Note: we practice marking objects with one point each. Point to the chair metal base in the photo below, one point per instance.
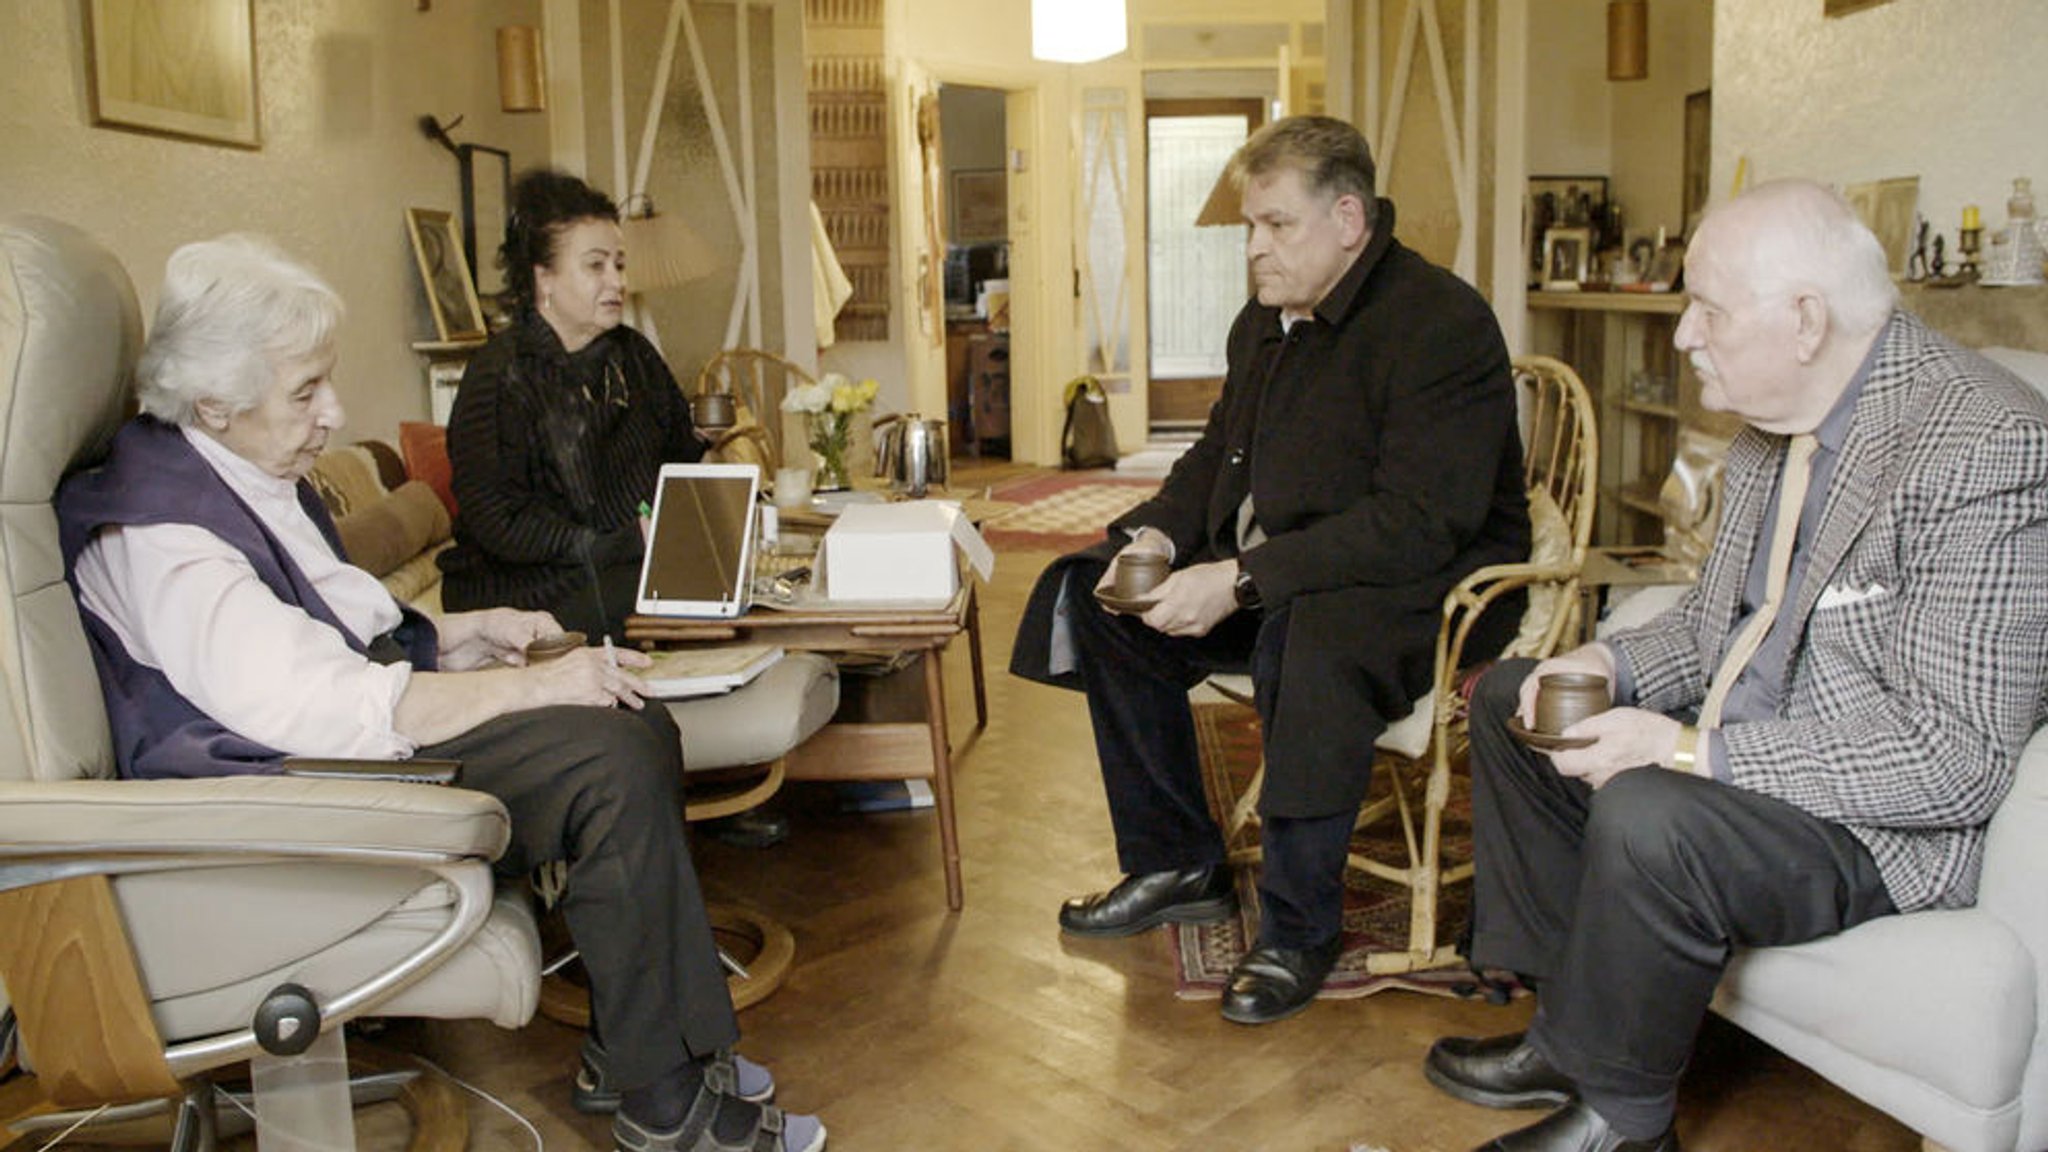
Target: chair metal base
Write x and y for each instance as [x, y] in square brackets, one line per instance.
[208, 1113]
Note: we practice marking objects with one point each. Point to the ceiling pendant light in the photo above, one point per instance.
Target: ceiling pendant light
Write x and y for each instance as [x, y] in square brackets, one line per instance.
[1628, 39]
[1077, 31]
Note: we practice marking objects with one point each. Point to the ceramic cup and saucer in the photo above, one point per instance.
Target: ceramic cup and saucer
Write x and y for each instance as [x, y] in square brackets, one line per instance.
[1562, 700]
[1130, 590]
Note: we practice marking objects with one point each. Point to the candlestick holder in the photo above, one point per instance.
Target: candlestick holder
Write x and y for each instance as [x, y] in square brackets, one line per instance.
[1969, 242]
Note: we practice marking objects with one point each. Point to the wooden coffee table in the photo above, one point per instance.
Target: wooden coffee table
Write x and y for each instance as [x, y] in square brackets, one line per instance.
[863, 751]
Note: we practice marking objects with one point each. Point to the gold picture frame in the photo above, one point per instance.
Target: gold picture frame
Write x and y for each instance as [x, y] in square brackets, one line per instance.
[444, 273]
[184, 68]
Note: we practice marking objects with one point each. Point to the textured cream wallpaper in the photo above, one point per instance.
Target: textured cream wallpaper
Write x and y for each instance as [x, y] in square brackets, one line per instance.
[342, 87]
[1951, 91]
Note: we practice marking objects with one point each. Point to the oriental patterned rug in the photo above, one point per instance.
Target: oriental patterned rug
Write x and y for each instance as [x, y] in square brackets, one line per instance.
[1065, 511]
[1375, 911]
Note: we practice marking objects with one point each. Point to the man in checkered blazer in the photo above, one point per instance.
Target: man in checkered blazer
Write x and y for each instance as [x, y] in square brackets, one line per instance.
[1846, 769]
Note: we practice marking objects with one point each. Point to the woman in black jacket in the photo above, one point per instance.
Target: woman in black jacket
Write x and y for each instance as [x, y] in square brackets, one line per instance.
[562, 423]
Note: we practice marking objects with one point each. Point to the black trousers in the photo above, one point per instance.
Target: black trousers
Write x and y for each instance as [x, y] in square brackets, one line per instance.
[1625, 902]
[601, 788]
[1137, 681]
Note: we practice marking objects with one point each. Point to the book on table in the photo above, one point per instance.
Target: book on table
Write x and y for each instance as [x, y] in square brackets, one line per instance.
[681, 672]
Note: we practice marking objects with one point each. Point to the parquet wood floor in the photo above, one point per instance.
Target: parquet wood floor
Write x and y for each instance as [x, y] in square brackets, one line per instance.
[986, 1031]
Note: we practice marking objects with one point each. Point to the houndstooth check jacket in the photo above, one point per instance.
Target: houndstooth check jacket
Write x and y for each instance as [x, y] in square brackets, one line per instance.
[1921, 661]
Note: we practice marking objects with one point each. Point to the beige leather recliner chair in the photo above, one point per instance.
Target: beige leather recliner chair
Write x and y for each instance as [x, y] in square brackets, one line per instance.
[143, 923]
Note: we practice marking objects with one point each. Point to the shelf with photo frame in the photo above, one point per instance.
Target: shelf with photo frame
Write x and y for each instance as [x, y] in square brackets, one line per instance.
[446, 361]
[1644, 393]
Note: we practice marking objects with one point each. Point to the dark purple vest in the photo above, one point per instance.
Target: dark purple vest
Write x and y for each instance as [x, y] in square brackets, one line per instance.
[152, 476]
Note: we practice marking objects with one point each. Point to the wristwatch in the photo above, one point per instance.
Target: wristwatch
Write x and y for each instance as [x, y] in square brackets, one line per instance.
[1246, 591]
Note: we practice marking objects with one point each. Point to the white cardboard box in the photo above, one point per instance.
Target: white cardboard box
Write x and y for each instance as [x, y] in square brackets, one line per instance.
[884, 553]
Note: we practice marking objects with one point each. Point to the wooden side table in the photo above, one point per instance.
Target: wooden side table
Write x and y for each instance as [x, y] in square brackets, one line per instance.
[868, 751]
[1606, 568]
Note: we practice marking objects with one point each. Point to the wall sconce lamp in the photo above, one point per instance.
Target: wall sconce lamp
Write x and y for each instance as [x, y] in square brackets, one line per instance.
[1628, 39]
[1225, 202]
[522, 72]
[1078, 31]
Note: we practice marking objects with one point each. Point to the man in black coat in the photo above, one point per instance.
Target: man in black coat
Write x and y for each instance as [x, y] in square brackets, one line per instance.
[1362, 459]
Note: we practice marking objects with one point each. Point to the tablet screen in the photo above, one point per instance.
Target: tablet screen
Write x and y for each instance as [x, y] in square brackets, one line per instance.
[699, 555]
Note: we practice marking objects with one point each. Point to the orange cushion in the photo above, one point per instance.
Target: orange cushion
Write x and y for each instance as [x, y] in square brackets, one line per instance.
[425, 448]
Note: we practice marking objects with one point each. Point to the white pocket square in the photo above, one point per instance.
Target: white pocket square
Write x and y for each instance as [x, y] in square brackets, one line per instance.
[1839, 595]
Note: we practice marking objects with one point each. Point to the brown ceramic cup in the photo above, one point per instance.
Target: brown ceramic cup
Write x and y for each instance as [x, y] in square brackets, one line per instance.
[1138, 573]
[548, 647]
[713, 411]
[1565, 698]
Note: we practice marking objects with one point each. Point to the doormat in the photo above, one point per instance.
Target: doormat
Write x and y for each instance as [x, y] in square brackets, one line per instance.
[1375, 910]
[1065, 511]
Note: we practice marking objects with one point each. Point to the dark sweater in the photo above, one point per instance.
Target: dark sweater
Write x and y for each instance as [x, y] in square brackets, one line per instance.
[553, 454]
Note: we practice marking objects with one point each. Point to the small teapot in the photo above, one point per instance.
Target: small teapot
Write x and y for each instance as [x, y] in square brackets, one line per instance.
[910, 452]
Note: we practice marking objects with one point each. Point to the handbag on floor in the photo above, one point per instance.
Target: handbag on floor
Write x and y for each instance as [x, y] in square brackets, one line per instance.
[1089, 438]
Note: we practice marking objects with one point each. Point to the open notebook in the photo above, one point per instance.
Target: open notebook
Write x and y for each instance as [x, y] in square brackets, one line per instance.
[684, 672]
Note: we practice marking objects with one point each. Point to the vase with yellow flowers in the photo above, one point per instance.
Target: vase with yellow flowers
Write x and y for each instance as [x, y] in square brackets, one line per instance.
[828, 409]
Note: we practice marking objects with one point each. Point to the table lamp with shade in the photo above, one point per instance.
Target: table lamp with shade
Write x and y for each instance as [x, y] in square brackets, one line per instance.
[662, 251]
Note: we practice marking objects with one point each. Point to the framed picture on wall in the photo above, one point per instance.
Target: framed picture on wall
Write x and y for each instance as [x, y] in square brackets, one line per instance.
[981, 209]
[186, 69]
[1560, 202]
[1699, 154]
[451, 294]
[1566, 252]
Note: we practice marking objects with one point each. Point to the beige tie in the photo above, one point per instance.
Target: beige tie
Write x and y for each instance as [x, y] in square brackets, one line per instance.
[1791, 499]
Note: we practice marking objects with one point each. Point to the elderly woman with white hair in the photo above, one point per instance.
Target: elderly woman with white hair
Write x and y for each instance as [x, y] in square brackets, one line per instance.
[231, 633]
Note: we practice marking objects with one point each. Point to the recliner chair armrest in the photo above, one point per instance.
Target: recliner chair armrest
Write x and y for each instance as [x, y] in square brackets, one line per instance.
[253, 815]
[2016, 857]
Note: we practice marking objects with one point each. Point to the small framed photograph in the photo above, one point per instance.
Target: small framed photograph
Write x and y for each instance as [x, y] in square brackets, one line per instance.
[1561, 202]
[451, 294]
[981, 210]
[1667, 269]
[1565, 255]
[1639, 253]
[185, 69]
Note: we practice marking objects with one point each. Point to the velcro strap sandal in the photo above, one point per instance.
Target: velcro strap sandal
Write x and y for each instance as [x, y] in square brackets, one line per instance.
[774, 1131]
[727, 1072]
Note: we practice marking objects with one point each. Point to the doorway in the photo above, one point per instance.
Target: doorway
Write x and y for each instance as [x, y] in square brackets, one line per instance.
[974, 190]
[1196, 274]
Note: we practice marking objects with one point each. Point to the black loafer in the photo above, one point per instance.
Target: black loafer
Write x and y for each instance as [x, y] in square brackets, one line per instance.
[1274, 983]
[1183, 896]
[1576, 1128]
[1498, 1072]
[754, 828]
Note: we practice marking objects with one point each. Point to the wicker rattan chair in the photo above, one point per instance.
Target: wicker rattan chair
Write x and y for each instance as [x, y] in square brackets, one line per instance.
[757, 380]
[1418, 752]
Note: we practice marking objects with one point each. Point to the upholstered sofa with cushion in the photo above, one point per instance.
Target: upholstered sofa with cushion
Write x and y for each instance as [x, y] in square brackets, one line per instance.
[391, 524]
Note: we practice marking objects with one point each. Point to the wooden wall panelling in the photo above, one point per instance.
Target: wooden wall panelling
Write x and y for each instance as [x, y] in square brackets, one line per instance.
[849, 111]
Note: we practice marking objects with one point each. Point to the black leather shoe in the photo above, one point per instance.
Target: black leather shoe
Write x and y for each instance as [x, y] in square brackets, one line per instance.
[754, 828]
[1576, 1128]
[1184, 896]
[1498, 1072]
[1274, 983]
